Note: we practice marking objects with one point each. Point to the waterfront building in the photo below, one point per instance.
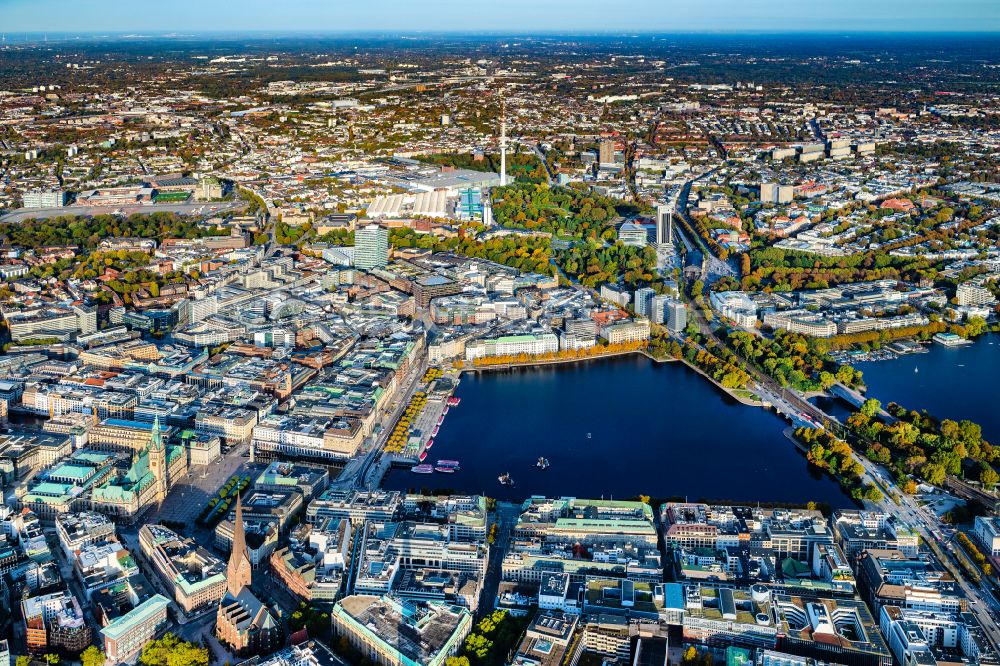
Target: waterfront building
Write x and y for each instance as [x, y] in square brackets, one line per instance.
[194, 576]
[969, 293]
[371, 247]
[244, 623]
[578, 333]
[626, 332]
[531, 344]
[801, 321]
[125, 636]
[570, 520]
[790, 533]
[390, 633]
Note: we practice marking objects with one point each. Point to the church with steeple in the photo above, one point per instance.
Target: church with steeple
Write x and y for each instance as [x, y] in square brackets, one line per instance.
[244, 623]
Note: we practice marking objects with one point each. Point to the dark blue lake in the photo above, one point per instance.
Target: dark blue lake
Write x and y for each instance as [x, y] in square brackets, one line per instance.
[616, 427]
[949, 382]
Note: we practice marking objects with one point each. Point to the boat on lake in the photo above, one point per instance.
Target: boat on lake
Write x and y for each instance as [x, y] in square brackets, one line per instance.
[543, 463]
[445, 469]
[505, 480]
[423, 469]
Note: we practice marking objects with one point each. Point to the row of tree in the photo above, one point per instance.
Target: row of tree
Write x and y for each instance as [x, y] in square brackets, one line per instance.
[87, 232]
[795, 360]
[834, 455]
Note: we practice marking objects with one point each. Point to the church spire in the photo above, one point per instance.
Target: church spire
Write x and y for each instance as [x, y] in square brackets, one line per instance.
[239, 570]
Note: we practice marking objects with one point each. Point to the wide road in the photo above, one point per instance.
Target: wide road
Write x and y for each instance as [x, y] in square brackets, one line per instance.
[982, 603]
[202, 208]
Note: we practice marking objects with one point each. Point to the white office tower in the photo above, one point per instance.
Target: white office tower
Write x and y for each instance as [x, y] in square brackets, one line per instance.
[664, 225]
[371, 247]
[503, 142]
[676, 316]
[658, 308]
[642, 301]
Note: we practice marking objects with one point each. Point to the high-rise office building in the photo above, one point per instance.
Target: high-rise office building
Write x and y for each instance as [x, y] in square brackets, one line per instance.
[607, 152]
[643, 299]
[664, 225]
[676, 316]
[658, 308]
[371, 247]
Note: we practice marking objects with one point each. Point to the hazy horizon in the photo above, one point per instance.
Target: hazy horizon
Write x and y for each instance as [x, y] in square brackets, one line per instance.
[79, 17]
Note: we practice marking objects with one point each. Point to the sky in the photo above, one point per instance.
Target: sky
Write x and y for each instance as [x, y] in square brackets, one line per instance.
[497, 16]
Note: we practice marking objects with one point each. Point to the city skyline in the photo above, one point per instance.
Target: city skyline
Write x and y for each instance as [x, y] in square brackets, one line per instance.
[481, 334]
[518, 16]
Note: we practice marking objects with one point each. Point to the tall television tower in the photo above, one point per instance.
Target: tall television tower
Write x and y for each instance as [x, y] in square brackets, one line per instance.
[503, 140]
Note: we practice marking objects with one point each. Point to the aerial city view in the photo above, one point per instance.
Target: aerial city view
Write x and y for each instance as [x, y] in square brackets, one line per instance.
[440, 333]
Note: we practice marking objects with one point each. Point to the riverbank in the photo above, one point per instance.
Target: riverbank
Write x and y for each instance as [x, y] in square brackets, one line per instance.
[740, 395]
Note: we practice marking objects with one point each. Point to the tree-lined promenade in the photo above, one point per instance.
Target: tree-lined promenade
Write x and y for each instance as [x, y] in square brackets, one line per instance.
[548, 358]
